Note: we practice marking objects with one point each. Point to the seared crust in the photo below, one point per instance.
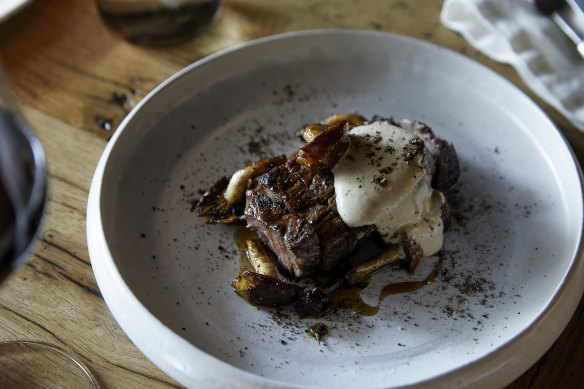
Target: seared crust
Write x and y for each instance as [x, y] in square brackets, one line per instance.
[294, 208]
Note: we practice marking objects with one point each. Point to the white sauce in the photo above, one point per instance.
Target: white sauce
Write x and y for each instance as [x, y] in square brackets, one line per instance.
[383, 179]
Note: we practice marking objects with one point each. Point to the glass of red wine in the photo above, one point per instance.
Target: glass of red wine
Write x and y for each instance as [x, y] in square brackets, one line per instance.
[22, 184]
[23, 187]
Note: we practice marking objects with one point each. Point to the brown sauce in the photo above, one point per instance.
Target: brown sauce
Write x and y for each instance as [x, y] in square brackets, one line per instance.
[350, 297]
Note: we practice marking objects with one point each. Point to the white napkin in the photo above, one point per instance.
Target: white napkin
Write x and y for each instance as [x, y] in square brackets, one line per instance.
[512, 31]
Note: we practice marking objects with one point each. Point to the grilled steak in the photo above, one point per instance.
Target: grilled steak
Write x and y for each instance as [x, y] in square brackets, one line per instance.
[294, 208]
[291, 203]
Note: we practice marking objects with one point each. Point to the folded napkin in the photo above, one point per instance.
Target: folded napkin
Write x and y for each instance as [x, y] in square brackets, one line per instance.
[512, 31]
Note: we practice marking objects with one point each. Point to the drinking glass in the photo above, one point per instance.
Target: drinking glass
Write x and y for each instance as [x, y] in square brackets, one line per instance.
[23, 181]
[157, 22]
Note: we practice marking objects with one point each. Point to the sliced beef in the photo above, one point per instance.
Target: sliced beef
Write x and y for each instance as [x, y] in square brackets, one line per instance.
[294, 208]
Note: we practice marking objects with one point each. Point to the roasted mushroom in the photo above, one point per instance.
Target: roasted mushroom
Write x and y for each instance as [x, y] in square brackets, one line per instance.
[325, 149]
[223, 202]
[389, 256]
[352, 118]
[311, 131]
[259, 289]
[313, 303]
[261, 259]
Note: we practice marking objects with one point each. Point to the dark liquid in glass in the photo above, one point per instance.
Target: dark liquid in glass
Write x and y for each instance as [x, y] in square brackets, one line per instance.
[7, 255]
[17, 174]
[161, 26]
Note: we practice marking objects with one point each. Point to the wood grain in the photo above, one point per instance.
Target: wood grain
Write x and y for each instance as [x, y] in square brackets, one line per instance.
[76, 82]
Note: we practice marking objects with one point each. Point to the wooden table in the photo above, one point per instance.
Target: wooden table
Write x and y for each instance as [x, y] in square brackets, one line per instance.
[73, 78]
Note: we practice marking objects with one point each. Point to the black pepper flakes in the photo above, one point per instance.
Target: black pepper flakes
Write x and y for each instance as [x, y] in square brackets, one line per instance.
[379, 180]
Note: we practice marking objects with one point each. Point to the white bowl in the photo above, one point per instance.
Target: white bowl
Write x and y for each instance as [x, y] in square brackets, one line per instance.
[508, 287]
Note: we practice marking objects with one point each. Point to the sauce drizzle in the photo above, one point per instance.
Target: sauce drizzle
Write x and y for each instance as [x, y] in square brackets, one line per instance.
[350, 297]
